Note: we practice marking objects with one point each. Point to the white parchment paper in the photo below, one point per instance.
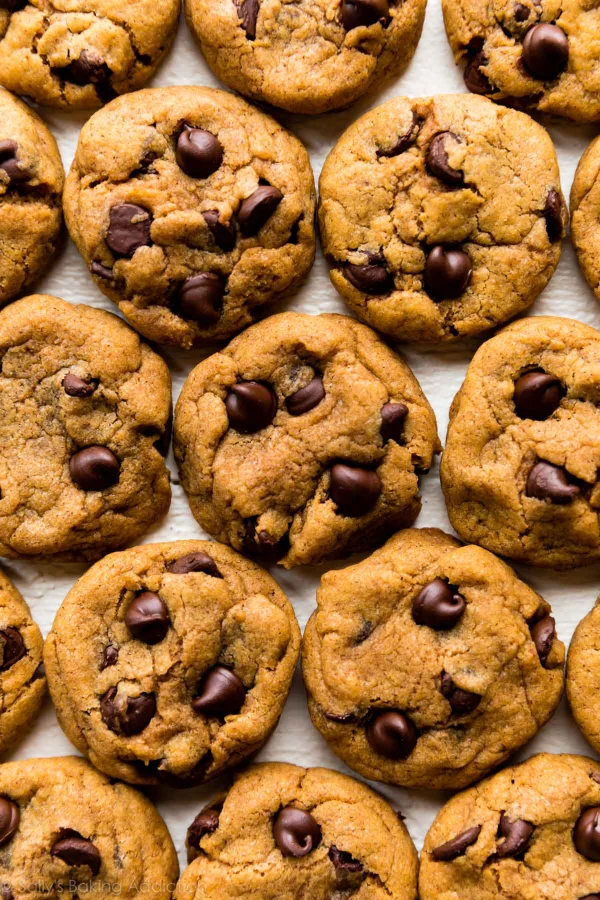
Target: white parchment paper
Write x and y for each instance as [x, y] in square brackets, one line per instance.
[440, 372]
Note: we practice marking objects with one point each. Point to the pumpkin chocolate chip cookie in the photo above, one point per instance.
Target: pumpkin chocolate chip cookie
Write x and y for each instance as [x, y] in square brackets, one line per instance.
[585, 215]
[583, 676]
[520, 467]
[303, 440]
[169, 663]
[310, 56]
[84, 427]
[429, 663]
[441, 217]
[530, 831]
[192, 209]
[283, 832]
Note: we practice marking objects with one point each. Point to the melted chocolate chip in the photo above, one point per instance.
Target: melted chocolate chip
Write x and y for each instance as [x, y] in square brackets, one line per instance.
[448, 273]
[261, 544]
[221, 693]
[75, 386]
[362, 13]
[437, 160]
[101, 271]
[521, 12]
[223, 235]
[548, 482]
[194, 562]
[354, 490]
[127, 715]
[205, 822]
[129, 229]
[438, 605]
[90, 68]
[147, 618]
[12, 647]
[110, 657]
[247, 11]
[343, 860]
[517, 834]
[94, 468]
[9, 163]
[586, 834]
[553, 216]
[461, 702]
[198, 153]
[537, 395]
[251, 406]
[201, 298]
[457, 846]
[296, 832]
[392, 734]
[371, 278]
[475, 80]
[256, 210]
[76, 851]
[543, 633]
[393, 417]
[10, 816]
[306, 398]
[545, 51]
[403, 143]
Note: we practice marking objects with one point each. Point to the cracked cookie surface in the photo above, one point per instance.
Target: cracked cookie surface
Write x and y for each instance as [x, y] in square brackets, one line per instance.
[520, 467]
[528, 832]
[84, 415]
[31, 184]
[170, 663]
[309, 56]
[303, 439]
[192, 209]
[441, 217]
[583, 676]
[533, 54]
[66, 830]
[585, 215]
[78, 54]
[284, 833]
[429, 663]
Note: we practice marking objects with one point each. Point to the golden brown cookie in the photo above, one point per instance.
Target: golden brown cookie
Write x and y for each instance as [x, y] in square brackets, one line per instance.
[583, 676]
[585, 215]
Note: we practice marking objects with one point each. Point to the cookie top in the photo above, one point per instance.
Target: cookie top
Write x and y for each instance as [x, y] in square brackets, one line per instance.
[530, 831]
[22, 679]
[84, 426]
[585, 215]
[284, 832]
[67, 830]
[303, 439]
[429, 663]
[171, 662]
[441, 217]
[79, 54]
[533, 54]
[31, 184]
[310, 56]
[192, 209]
[583, 675]
[520, 466]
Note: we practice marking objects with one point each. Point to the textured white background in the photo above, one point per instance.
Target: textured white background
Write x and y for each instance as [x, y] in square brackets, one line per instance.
[440, 372]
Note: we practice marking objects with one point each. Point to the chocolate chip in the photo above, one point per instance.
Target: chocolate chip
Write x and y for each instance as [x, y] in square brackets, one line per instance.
[94, 468]
[147, 618]
[475, 80]
[548, 482]
[251, 406]
[109, 657]
[256, 210]
[183, 780]
[5, 891]
[461, 702]
[198, 153]
[521, 13]
[392, 734]
[10, 164]
[537, 395]
[76, 850]
[586, 834]
[306, 398]
[13, 5]
[370, 279]
[224, 235]
[90, 68]
[349, 872]
[340, 718]
[296, 832]
[354, 490]
[393, 417]
[262, 544]
[590, 897]
[12, 647]
[553, 216]
[220, 694]
[205, 822]
[543, 633]
[129, 229]
[448, 273]
[517, 834]
[101, 271]
[10, 817]
[343, 860]
[147, 161]
[359, 13]
[247, 11]
[545, 51]
[403, 143]
[438, 605]
[40, 672]
[75, 386]
[194, 562]
[437, 160]
[457, 846]
[127, 715]
[201, 298]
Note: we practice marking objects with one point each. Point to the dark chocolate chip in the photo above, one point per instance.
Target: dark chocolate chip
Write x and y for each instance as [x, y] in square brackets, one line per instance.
[448, 273]
[438, 605]
[251, 406]
[94, 468]
[362, 13]
[340, 718]
[76, 851]
[147, 160]
[392, 734]
[437, 160]
[75, 386]
[198, 153]
[147, 618]
[223, 235]
[403, 143]
[553, 216]
[296, 832]
[590, 897]
[586, 834]
[537, 395]
[12, 647]
[40, 672]
[521, 12]
[461, 702]
[129, 229]
[205, 823]
[10, 817]
[475, 80]
[9, 162]
[101, 271]
[256, 210]
[5, 891]
[343, 860]
[261, 544]
[220, 694]
[349, 872]
[306, 398]
[543, 633]
[517, 834]
[548, 482]
[247, 11]
[127, 715]
[201, 298]
[545, 51]
[393, 417]
[194, 562]
[371, 279]
[457, 846]
[109, 657]
[90, 68]
[354, 490]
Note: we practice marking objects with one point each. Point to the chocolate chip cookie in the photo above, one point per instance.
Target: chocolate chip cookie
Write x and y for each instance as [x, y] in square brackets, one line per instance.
[583, 675]
[585, 215]
[303, 440]
[84, 427]
[520, 468]
[533, 54]
[530, 831]
[429, 663]
[22, 678]
[31, 183]
[307, 56]
[169, 663]
[441, 217]
[81, 53]
[67, 831]
[192, 209]
[283, 832]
